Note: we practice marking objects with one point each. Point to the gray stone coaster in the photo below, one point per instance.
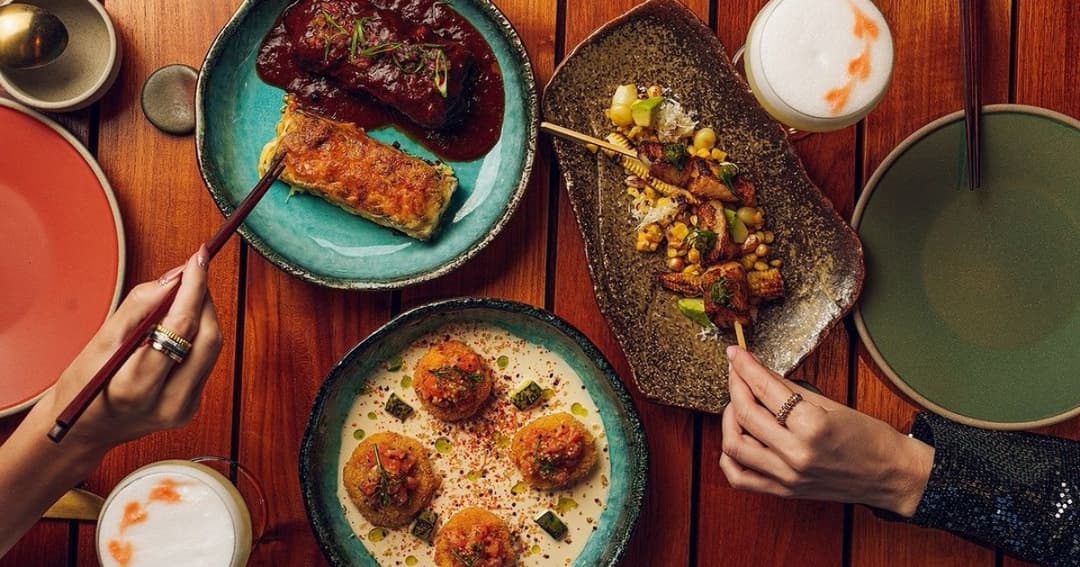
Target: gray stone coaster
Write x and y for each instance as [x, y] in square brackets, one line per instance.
[168, 99]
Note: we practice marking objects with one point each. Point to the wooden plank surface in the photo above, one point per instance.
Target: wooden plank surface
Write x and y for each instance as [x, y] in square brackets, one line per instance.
[663, 534]
[167, 213]
[287, 334]
[927, 83]
[743, 528]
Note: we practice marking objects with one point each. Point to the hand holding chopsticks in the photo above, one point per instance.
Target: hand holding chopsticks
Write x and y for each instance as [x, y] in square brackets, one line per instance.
[152, 313]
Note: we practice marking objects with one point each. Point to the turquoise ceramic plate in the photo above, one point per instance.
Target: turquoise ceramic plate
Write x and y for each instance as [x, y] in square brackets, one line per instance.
[310, 238]
[627, 446]
[970, 305]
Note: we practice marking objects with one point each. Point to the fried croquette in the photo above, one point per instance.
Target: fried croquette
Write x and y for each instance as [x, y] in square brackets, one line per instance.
[452, 381]
[390, 479]
[554, 451]
[474, 537]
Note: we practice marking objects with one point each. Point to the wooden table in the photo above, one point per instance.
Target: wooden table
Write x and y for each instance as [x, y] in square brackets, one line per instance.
[286, 334]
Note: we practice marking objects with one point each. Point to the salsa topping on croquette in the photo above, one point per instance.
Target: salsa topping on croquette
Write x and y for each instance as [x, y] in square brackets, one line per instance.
[391, 477]
[556, 452]
[454, 385]
[479, 545]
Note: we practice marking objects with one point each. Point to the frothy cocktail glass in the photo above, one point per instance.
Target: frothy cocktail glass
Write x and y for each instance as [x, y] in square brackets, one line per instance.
[174, 513]
[819, 65]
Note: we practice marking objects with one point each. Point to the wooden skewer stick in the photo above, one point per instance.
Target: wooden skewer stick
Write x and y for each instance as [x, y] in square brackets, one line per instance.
[556, 130]
[739, 335]
[573, 135]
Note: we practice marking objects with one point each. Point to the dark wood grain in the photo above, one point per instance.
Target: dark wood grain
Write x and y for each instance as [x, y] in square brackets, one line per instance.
[166, 216]
[927, 83]
[663, 533]
[290, 333]
[294, 332]
[1047, 72]
[741, 528]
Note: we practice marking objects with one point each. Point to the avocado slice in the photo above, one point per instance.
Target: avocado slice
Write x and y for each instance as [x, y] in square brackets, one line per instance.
[644, 110]
[694, 309]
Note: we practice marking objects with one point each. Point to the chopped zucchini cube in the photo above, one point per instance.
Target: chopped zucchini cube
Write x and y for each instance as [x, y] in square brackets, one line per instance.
[552, 525]
[526, 394]
[397, 407]
[424, 526]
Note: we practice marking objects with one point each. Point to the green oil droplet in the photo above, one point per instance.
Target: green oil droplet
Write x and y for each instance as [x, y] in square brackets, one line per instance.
[442, 445]
[395, 364]
[411, 560]
[406, 381]
[358, 434]
[534, 549]
[503, 361]
[502, 441]
[372, 415]
[579, 410]
[565, 505]
[519, 488]
[547, 394]
[473, 475]
[376, 534]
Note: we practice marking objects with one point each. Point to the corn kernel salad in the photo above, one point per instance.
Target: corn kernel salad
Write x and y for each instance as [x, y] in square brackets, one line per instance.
[693, 204]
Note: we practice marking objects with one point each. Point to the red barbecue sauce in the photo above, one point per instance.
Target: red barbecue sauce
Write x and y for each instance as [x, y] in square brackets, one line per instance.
[473, 132]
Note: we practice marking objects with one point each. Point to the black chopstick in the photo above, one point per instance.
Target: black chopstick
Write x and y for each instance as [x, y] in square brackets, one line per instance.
[85, 397]
[969, 45]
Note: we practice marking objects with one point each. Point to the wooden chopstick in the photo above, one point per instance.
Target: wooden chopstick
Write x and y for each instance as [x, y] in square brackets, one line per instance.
[556, 130]
[85, 397]
[969, 34]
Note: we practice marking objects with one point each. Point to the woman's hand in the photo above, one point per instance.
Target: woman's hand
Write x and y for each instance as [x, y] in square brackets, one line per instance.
[826, 451]
[150, 392]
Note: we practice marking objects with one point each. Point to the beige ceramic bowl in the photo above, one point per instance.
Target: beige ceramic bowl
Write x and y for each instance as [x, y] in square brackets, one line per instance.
[83, 73]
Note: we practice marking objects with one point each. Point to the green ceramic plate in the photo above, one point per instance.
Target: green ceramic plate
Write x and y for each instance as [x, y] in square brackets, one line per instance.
[627, 446]
[237, 113]
[970, 304]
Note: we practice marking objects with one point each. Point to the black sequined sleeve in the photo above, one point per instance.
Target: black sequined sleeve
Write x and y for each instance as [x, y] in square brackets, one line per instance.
[1017, 491]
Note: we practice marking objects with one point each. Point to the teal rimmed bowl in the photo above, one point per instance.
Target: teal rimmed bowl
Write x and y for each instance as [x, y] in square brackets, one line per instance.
[627, 445]
[237, 113]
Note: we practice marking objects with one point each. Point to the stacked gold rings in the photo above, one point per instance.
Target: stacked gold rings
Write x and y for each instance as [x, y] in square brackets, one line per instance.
[169, 343]
[782, 415]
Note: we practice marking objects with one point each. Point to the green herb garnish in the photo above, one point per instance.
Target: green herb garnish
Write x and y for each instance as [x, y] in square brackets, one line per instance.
[330, 19]
[728, 171]
[719, 293]
[676, 154]
[441, 73]
[546, 465]
[385, 479]
[394, 364]
[466, 561]
[448, 372]
[702, 239]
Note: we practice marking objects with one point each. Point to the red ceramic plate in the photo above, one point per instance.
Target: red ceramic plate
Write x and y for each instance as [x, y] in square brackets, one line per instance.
[61, 253]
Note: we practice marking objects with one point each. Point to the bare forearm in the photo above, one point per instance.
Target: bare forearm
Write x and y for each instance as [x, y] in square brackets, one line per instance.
[34, 472]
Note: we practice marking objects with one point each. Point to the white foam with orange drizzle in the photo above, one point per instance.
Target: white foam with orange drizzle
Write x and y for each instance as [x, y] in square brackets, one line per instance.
[173, 513]
[819, 64]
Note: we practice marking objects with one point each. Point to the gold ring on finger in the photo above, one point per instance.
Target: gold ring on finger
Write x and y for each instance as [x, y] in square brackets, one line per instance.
[186, 344]
[785, 410]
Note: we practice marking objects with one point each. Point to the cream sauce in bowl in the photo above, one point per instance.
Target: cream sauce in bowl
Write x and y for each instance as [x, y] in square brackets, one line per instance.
[472, 457]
